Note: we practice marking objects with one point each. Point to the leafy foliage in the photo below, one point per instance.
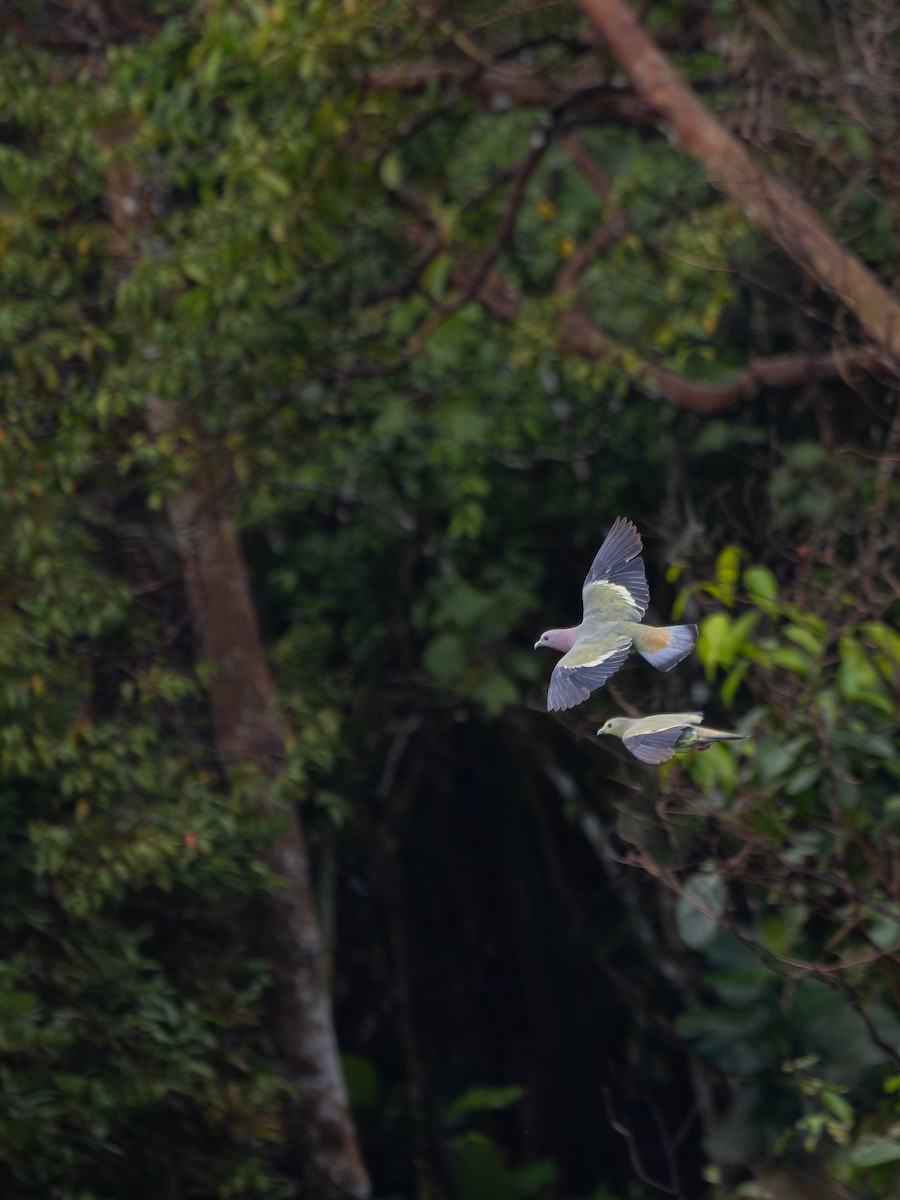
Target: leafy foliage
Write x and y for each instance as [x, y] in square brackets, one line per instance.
[368, 336]
[796, 916]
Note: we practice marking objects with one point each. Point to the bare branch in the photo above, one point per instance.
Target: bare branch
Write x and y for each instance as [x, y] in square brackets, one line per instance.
[598, 243]
[617, 224]
[775, 206]
[499, 88]
[581, 337]
[582, 160]
[479, 275]
[633, 1153]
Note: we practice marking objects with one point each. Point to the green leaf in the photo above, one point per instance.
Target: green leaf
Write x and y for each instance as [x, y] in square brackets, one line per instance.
[362, 1082]
[485, 1099]
[775, 758]
[804, 778]
[874, 1153]
[837, 1106]
[391, 172]
[533, 1177]
[728, 565]
[805, 456]
[480, 1172]
[446, 658]
[804, 638]
[494, 692]
[273, 182]
[760, 583]
[723, 638]
[436, 276]
[789, 658]
[713, 644]
[715, 770]
[698, 911]
[732, 683]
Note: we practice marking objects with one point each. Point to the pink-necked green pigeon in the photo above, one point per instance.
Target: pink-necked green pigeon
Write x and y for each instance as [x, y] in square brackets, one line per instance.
[655, 739]
[615, 597]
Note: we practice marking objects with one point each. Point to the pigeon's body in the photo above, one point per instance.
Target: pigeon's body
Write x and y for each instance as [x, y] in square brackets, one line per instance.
[655, 739]
[615, 597]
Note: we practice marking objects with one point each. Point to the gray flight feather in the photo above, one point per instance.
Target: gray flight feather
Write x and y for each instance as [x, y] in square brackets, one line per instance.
[614, 599]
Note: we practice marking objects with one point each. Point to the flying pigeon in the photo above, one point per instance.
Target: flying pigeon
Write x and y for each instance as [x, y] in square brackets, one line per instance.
[656, 739]
[615, 597]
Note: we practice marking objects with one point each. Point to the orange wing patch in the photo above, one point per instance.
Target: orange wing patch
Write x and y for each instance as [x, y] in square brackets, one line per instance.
[655, 639]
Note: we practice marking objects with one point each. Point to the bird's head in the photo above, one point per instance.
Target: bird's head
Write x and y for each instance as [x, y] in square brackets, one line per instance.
[615, 726]
[556, 639]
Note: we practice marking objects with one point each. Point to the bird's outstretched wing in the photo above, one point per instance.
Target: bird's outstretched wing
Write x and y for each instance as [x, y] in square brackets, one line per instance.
[666, 721]
[654, 747]
[615, 588]
[586, 667]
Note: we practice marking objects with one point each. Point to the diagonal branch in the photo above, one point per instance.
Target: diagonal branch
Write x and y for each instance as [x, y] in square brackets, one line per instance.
[598, 243]
[485, 265]
[499, 88]
[582, 160]
[616, 226]
[776, 208]
[580, 337]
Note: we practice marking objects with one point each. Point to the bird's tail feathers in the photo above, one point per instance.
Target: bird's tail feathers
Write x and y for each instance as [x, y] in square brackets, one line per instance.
[665, 647]
[705, 734]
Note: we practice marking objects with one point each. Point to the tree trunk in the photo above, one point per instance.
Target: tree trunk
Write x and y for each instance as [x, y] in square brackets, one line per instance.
[249, 734]
[777, 208]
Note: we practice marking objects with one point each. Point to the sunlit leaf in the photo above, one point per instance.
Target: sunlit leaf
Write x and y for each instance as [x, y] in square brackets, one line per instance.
[699, 908]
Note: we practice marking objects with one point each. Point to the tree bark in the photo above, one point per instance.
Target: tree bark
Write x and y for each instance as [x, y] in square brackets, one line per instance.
[249, 734]
[775, 207]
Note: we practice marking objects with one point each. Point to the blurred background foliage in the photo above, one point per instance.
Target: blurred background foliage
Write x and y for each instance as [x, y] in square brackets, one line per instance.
[555, 972]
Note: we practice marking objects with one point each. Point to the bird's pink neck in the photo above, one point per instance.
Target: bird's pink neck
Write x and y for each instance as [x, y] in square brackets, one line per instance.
[564, 639]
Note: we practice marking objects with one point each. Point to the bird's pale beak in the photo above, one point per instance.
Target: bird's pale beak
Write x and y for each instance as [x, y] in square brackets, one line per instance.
[537, 644]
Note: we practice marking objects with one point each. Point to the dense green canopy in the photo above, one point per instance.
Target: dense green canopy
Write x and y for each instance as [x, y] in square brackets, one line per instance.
[419, 298]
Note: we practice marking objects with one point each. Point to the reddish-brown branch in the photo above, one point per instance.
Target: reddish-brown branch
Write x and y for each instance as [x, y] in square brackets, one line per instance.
[775, 206]
[499, 89]
[608, 234]
[477, 278]
[492, 85]
[664, 98]
[598, 243]
[76, 28]
[579, 336]
[582, 160]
